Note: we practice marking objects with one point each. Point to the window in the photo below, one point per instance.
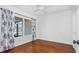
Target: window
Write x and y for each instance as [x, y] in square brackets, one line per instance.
[27, 27]
[23, 27]
[19, 27]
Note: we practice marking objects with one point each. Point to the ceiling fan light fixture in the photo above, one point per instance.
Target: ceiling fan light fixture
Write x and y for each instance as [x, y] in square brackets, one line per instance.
[40, 7]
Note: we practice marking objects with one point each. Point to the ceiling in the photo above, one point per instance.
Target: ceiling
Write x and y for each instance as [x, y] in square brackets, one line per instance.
[42, 9]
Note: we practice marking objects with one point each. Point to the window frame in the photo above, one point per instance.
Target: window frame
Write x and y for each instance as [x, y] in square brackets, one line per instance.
[23, 19]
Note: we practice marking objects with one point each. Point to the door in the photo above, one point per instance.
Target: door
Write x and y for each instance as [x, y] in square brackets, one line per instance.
[75, 28]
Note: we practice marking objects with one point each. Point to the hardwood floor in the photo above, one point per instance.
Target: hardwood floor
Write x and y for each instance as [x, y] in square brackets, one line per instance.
[42, 46]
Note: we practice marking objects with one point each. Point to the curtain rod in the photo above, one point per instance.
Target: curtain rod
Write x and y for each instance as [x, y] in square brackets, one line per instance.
[21, 15]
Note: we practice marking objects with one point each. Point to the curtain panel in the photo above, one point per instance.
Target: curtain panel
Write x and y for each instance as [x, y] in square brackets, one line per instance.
[7, 29]
[33, 29]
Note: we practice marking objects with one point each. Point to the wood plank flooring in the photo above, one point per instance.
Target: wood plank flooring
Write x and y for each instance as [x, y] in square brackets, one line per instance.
[42, 46]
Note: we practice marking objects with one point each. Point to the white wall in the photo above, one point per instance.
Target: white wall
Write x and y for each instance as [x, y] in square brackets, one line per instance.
[23, 39]
[55, 27]
[76, 45]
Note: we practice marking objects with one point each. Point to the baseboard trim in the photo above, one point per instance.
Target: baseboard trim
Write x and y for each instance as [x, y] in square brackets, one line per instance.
[55, 42]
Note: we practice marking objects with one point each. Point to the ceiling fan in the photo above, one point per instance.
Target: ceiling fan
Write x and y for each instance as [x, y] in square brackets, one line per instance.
[40, 9]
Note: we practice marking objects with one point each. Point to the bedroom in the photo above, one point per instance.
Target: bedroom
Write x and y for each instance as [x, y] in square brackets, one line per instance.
[42, 28]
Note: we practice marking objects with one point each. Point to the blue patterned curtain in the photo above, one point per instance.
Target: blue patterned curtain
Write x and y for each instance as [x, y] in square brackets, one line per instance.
[7, 30]
[33, 29]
